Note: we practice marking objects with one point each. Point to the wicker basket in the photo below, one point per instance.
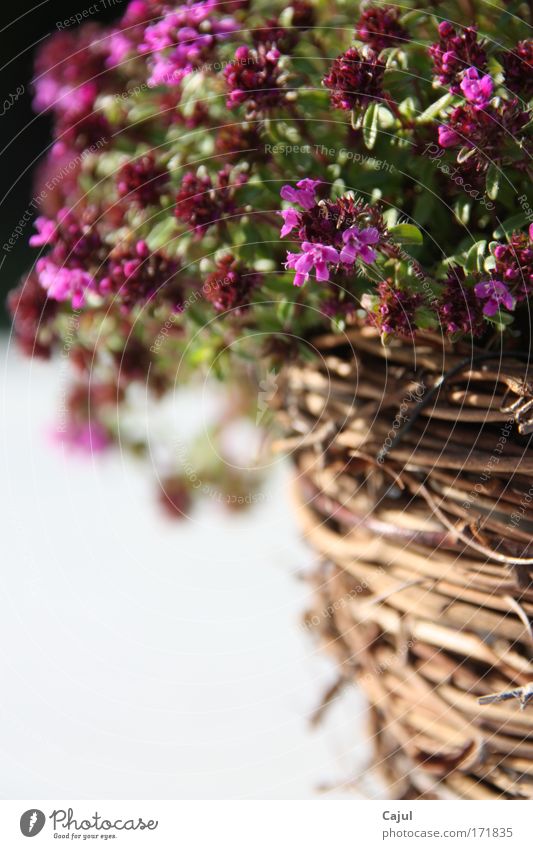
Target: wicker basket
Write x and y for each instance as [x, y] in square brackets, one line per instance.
[415, 487]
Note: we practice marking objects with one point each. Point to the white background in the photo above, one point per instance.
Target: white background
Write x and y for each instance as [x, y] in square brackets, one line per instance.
[147, 659]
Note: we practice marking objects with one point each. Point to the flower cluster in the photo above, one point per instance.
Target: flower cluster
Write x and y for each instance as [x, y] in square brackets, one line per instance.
[460, 309]
[454, 52]
[197, 175]
[394, 310]
[489, 134]
[255, 78]
[184, 40]
[201, 203]
[333, 235]
[134, 275]
[33, 313]
[69, 271]
[380, 27]
[230, 286]
[518, 69]
[355, 79]
[142, 181]
[513, 263]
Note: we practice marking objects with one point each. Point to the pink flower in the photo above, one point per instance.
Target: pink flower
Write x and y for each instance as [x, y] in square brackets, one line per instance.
[357, 244]
[119, 47]
[496, 295]
[477, 91]
[448, 137]
[46, 232]
[189, 34]
[291, 220]
[64, 283]
[86, 437]
[315, 256]
[303, 194]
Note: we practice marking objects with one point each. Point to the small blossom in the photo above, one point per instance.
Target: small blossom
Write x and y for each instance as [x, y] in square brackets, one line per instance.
[357, 245]
[476, 89]
[313, 255]
[292, 219]
[496, 294]
[63, 284]
[303, 194]
[46, 232]
[448, 137]
[86, 437]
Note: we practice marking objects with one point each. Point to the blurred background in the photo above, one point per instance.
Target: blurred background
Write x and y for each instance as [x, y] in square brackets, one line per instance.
[142, 657]
[24, 135]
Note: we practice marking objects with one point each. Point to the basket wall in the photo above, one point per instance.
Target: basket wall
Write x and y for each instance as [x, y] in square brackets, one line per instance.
[415, 486]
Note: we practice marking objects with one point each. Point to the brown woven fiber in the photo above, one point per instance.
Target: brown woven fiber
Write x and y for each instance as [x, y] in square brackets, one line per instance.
[415, 487]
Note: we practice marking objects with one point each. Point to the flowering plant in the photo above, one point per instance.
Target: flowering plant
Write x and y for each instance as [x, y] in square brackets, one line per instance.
[228, 177]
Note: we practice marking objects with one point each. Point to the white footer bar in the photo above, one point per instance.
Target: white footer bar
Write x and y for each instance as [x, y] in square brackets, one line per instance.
[324, 824]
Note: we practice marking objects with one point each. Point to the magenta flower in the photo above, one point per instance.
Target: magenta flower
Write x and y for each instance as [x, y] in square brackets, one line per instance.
[357, 245]
[181, 40]
[496, 295]
[315, 256]
[303, 194]
[291, 218]
[46, 232]
[477, 90]
[64, 283]
[454, 52]
[448, 137]
[86, 438]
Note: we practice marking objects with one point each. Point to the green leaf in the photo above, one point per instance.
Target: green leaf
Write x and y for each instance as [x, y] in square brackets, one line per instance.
[163, 232]
[493, 182]
[462, 209]
[508, 226]
[370, 125]
[355, 120]
[284, 310]
[435, 109]
[475, 256]
[500, 319]
[407, 234]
